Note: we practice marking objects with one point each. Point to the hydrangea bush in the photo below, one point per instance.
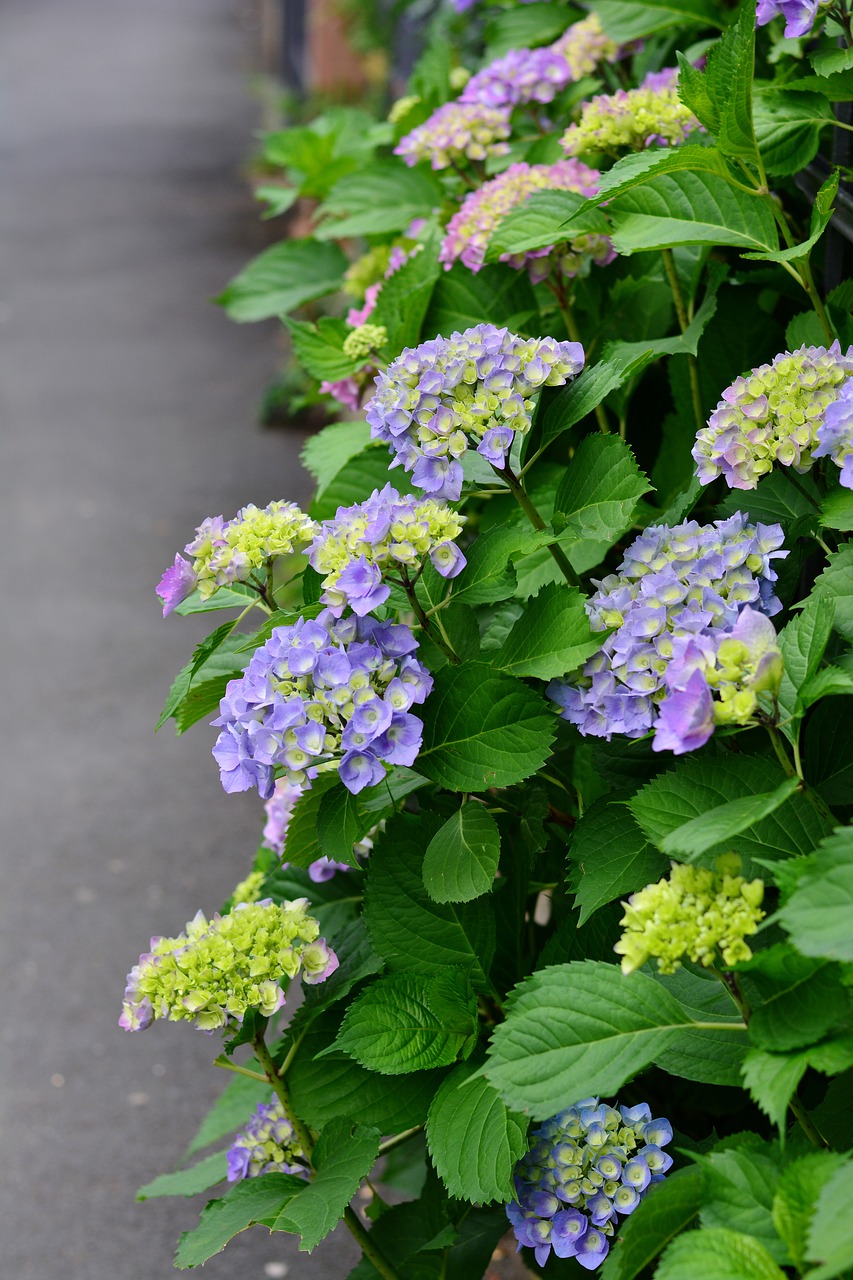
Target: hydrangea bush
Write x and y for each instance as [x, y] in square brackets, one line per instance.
[546, 691]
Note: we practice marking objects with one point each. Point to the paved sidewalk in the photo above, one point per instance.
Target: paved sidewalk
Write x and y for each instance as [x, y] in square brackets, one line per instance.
[128, 415]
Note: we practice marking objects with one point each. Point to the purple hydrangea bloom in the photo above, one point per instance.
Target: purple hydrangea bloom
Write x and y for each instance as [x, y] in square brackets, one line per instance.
[296, 706]
[586, 1167]
[435, 399]
[538, 75]
[268, 1144]
[471, 228]
[835, 434]
[385, 535]
[678, 593]
[455, 132]
[773, 414]
[799, 15]
[176, 584]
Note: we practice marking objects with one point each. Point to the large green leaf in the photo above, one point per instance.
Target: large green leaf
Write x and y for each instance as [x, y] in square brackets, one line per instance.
[830, 1237]
[254, 1200]
[739, 1187]
[800, 999]
[358, 476]
[666, 1210]
[717, 1254]
[405, 296]
[525, 28]
[319, 349]
[344, 1154]
[188, 1182]
[327, 453]
[579, 398]
[721, 824]
[641, 166]
[474, 1140]
[631, 19]
[690, 208]
[483, 729]
[819, 913]
[541, 221]
[413, 933]
[721, 96]
[409, 1022]
[788, 127]
[802, 643]
[799, 1187]
[579, 1028]
[707, 1054]
[551, 638]
[599, 491]
[495, 295]
[231, 1109]
[698, 784]
[609, 856]
[381, 197]
[341, 823]
[488, 576]
[836, 583]
[772, 1079]
[462, 858]
[282, 278]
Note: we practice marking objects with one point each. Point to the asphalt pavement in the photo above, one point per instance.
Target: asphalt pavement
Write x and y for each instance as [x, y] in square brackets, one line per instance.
[128, 414]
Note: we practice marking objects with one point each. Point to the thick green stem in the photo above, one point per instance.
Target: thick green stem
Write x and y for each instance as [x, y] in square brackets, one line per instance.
[683, 322]
[807, 1125]
[357, 1229]
[794, 769]
[523, 499]
[436, 633]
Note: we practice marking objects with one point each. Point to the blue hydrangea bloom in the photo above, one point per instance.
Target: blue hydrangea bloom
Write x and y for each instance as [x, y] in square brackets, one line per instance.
[586, 1167]
[835, 434]
[268, 1144]
[476, 387]
[675, 585]
[327, 691]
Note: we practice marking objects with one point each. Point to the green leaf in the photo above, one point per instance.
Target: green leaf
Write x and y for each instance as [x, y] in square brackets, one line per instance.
[487, 576]
[739, 1188]
[819, 912]
[830, 1237]
[719, 825]
[188, 1182]
[775, 499]
[708, 1055]
[573, 402]
[327, 453]
[721, 96]
[829, 749]
[772, 1080]
[344, 1154]
[836, 583]
[798, 1189]
[609, 857]
[230, 1111]
[801, 999]
[690, 208]
[282, 278]
[630, 19]
[525, 28]
[413, 933]
[303, 843]
[361, 474]
[827, 62]
[820, 219]
[497, 295]
[666, 1211]
[408, 1022]
[253, 1200]
[341, 823]
[474, 1140]
[552, 638]
[197, 689]
[837, 510]
[641, 166]
[405, 296]
[381, 197]
[541, 220]
[236, 597]
[357, 960]
[483, 729]
[319, 349]
[698, 784]
[462, 858]
[551, 1048]
[787, 127]
[717, 1254]
[599, 491]
[802, 643]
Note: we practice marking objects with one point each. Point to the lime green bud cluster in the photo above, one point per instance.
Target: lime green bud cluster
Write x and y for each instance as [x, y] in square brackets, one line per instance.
[458, 78]
[217, 970]
[369, 269]
[739, 676]
[364, 340]
[630, 120]
[401, 108]
[697, 913]
[249, 890]
[226, 551]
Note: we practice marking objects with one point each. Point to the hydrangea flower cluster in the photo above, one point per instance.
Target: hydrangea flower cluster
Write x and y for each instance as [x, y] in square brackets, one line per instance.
[521, 75]
[736, 665]
[585, 45]
[268, 1144]
[249, 889]
[473, 386]
[279, 809]
[695, 912]
[799, 15]
[835, 434]
[588, 1165]
[226, 551]
[217, 970]
[632, 119]
[325, 691]
[772, 414]
[456, 131]
[346, 391]
[675, 585]
[364, 339]
[387, 531]
[472, 226]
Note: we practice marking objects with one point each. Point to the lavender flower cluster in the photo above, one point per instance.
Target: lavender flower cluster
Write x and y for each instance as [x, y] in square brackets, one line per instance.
[633, 119]
[472, 226]
[473, 386]
[227, 551]
[386, 531]
[455, 132]
[676, 586]
[268, 1144]
[783, 412]
[589, 1165]
[799, 15]
[332, 692]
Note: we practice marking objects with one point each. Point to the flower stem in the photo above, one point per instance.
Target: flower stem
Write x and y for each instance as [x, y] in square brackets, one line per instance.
[683, 322]
[556, 286]
[523, 499]
[438, 637]
[357, 1229]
